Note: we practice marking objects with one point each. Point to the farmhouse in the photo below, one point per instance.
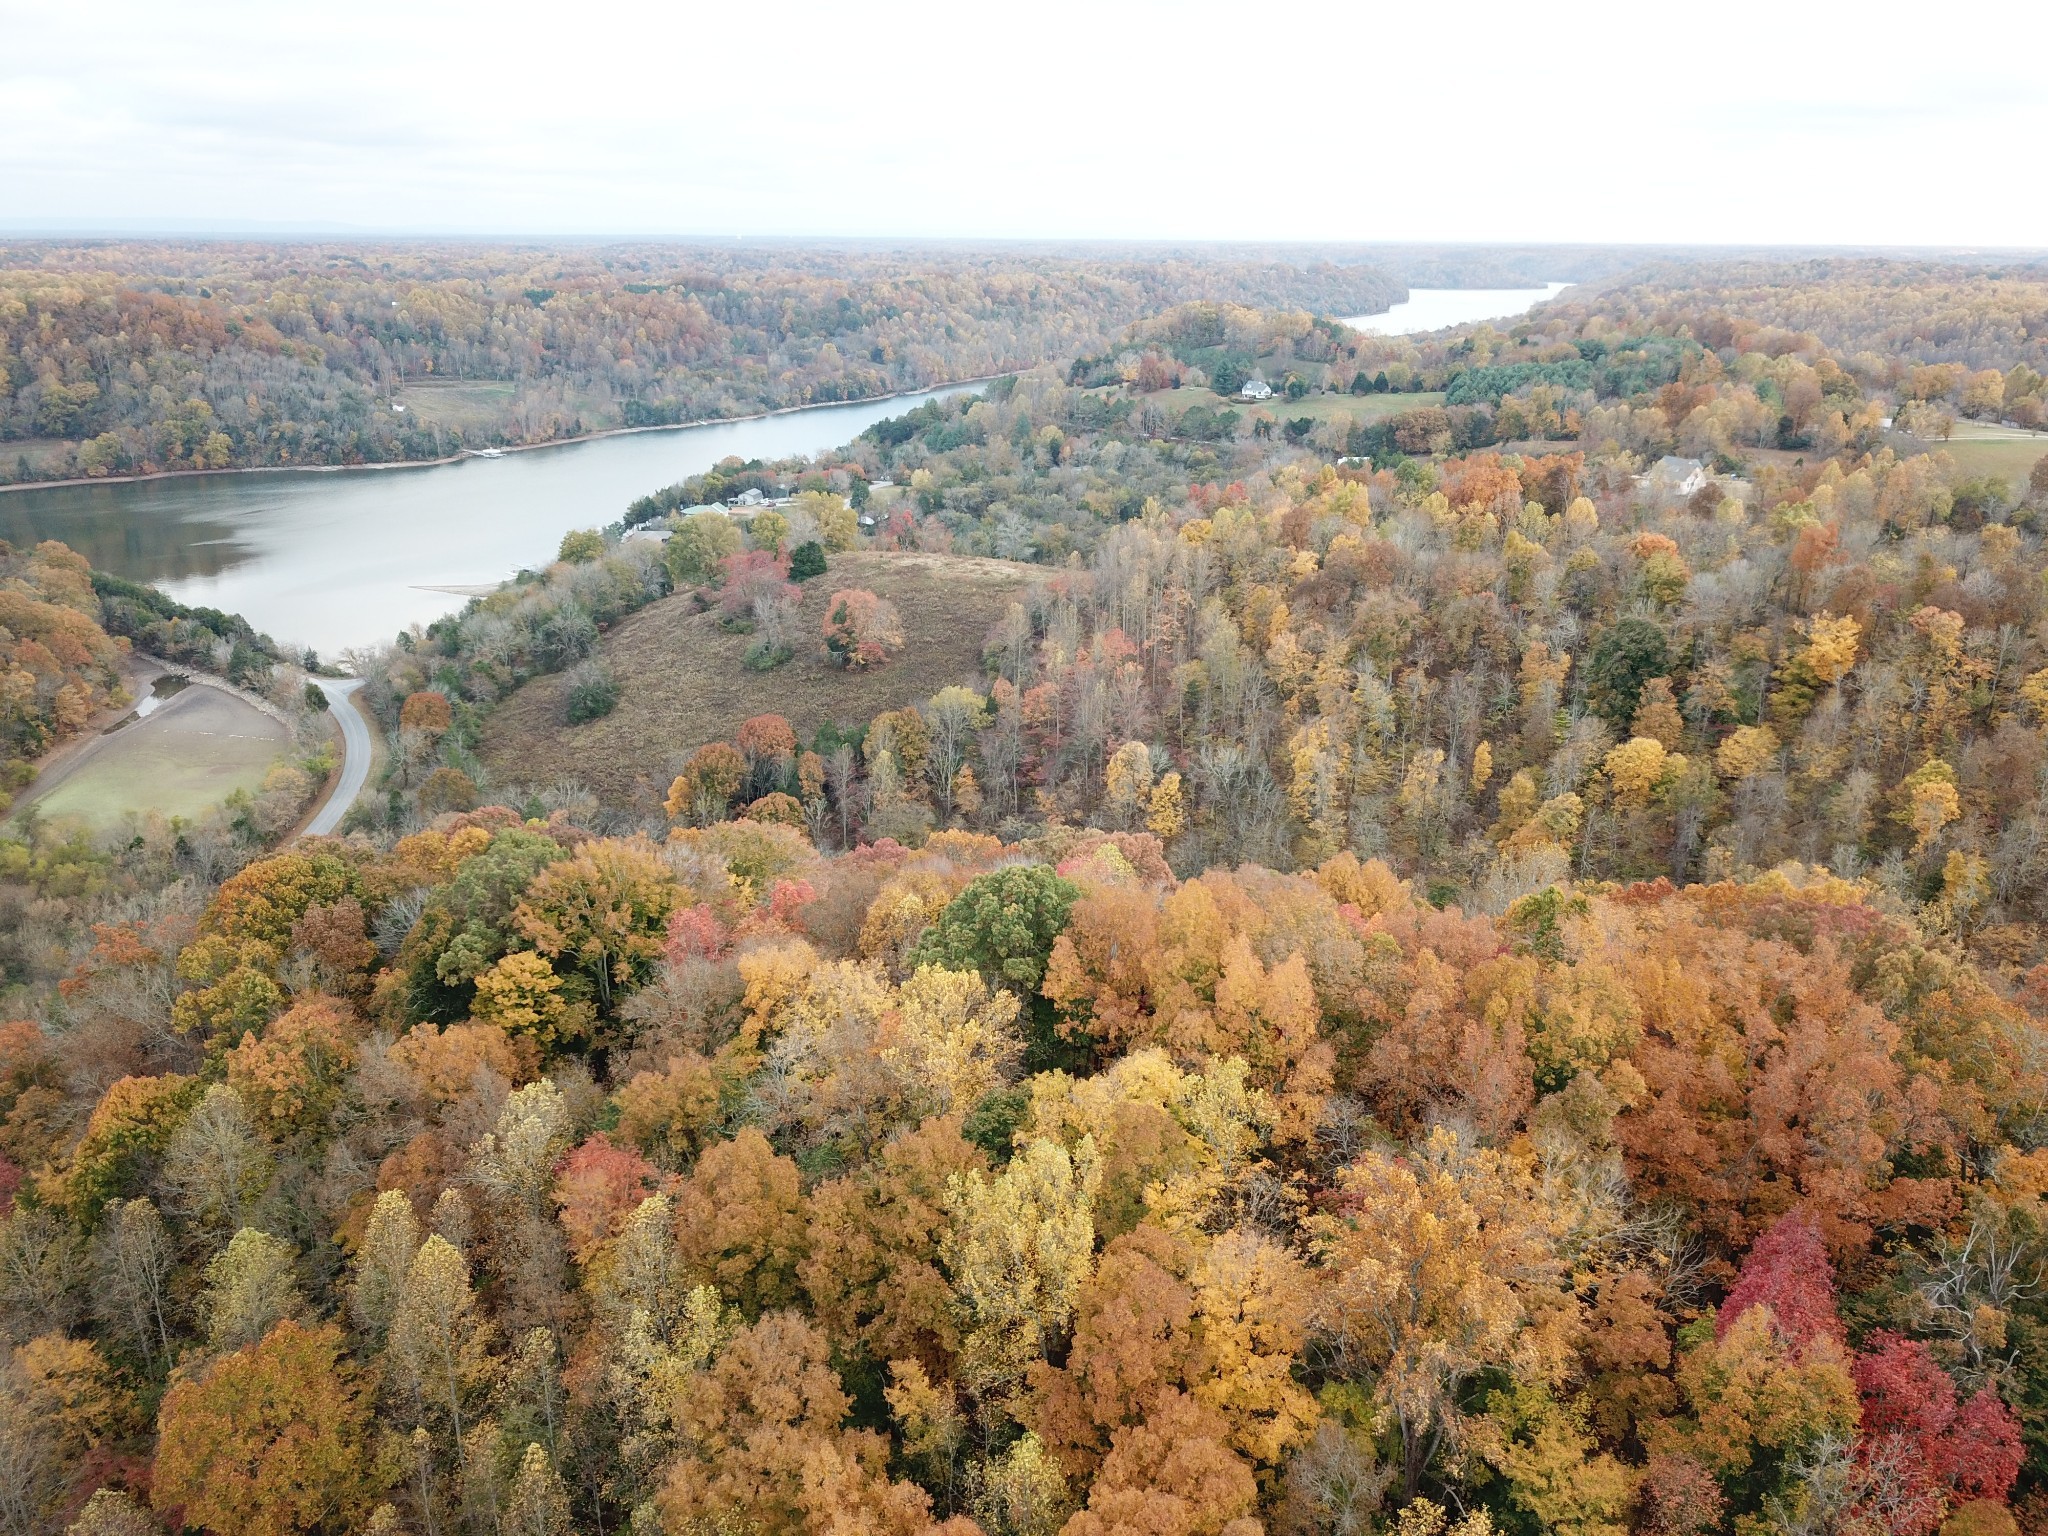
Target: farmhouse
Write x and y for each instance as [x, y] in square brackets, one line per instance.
[1673, 476]
[1255, 389]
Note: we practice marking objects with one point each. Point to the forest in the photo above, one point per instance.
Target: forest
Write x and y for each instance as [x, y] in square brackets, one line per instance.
[125, 358]
[1438, 985]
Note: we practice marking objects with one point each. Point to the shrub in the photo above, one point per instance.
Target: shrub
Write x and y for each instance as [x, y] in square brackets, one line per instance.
[447, 789]
[316, 697]
[593, 693]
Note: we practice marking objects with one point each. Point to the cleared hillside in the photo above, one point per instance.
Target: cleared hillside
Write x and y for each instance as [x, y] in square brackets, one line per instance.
[684, 681]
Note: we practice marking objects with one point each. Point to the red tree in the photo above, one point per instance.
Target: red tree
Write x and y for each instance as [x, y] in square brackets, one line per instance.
[1910, 1414]
[1787, 1270]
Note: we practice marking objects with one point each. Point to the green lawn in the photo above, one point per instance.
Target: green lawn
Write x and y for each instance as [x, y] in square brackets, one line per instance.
[465, 404]
[1318, 408]
[183, 760]
[1981, 449]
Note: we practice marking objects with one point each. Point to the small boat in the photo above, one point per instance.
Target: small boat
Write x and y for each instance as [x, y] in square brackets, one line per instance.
[490, 453]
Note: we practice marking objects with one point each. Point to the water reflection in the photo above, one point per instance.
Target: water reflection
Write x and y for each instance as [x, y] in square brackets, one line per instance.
[138, 535]
[339, 559]
[1431, 309]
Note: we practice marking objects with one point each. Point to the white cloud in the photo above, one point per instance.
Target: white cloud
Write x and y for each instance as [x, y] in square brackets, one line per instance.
[1749, 122]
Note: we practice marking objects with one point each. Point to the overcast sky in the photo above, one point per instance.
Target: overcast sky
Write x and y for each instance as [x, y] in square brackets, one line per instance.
[1787, 121]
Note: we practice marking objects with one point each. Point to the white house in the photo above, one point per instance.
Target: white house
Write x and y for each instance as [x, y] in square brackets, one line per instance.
[1673, 476]
[1255, 389]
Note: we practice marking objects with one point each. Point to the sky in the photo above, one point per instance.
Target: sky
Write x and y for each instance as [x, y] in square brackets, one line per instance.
[1789, 122]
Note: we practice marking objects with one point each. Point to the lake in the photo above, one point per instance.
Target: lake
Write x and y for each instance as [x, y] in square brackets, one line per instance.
[338, 558]
[1431, 309]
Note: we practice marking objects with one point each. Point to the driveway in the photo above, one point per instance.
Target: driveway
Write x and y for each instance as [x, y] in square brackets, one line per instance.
[355, 753]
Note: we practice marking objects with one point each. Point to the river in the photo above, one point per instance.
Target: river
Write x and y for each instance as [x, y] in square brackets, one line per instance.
[337, 559]
[1431, 309]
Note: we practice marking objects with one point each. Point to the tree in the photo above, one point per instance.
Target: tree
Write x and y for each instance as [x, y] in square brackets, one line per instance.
[216, 1166]
[1913, 1422]
[693, 553]
[132, 1260]
[125, 1138]
[739, 1223]
[1166, 815]
[872, 1269]
[290, 1077]
[1626, 656]
[1002, 925]
[1428, 1260]
[597, 1186]
[383, 1259]
[427, 712]
[604, 911]
[276, 1440]
[40, 1270]
[861, 629]
[250, 1285]
[768, 531]
[1019, 1247]
[807, 560]
[539, 1504]
[581, 546]
[1172, 1475]
[1787, 1270]
[764, 1449]
[703, 791]
[953, 716]
[438, 1356]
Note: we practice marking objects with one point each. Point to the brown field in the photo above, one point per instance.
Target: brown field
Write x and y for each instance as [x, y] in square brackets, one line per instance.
[683, 680]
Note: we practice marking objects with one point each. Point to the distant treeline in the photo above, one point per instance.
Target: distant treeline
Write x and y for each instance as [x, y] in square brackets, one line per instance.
[138, 357]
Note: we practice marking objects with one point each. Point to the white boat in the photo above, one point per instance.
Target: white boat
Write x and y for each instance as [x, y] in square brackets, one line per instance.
[490, 453]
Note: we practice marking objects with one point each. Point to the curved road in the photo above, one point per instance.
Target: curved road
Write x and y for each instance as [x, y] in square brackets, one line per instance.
[355, 753]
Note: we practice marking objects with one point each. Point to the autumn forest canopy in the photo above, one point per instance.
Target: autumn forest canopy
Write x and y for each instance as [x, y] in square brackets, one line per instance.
[1470, 958]
[125, 357]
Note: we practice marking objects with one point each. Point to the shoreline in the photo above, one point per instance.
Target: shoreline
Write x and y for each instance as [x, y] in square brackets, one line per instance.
[471, 453]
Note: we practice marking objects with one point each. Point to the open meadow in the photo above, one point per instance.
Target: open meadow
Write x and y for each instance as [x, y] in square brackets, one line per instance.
[684, 680]
[182, 760]
[1982, 448]
[1318, 408]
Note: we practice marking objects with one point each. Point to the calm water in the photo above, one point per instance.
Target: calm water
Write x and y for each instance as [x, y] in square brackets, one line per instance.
[338, 559]
[1431, 309]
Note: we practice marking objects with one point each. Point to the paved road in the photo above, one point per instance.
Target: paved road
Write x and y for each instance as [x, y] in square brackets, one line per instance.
[355, 753]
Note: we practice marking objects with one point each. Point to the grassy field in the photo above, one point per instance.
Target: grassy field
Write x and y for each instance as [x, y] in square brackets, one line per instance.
[1981, 449]
[479, 406]
[45, 456]
[683, 680]
[183, 760]
[1316, 407]
[470, 404]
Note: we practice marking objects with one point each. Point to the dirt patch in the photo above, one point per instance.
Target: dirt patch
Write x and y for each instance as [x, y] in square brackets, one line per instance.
[684, 681]
[182, 760]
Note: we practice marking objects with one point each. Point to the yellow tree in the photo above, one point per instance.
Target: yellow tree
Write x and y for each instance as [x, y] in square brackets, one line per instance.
[1127, 780]
[604, 912]
[438, 1358]
[1427, 1260]
[1020, 1245]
